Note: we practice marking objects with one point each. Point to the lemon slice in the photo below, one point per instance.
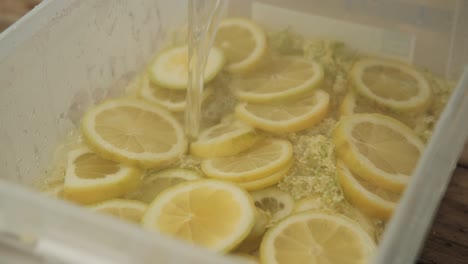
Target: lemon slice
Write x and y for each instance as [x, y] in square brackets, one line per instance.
[90, 178]
[373, 201]
[290, 116]
[378, 148]
[353, 104]
[281, 78]
[393, 84]
[172, 100]
[314, 237]
[266, 181]
[364, 220]
[244, 43]
[224, 139]
[273, 201]
[313, 202]
[55, 191]
[170, 68]
[156, 182]
[252, 241]
[261, 160]
[128, 210]
[348, 105]
[213, 214]
[134, 132]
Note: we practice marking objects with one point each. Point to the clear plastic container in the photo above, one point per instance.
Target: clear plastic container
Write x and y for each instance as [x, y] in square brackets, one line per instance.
[66, 55]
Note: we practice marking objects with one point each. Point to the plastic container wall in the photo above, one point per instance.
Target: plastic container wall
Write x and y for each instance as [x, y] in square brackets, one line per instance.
[67, 55]
[431, 34]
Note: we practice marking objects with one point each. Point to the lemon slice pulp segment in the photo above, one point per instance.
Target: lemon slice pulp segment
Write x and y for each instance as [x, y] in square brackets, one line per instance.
[392, 84]
[134, 132]
[273, 201]
[244, 43]
[156, 182]
[224, 139]
[89, 178]
[370, 199]
[263, 159]
[313, 202]
[213, 214]
[128, 210]
[313, 237]
[266, 181]
[378, 148]
[170, 68]
[281, 78]
[172, 100]
[290, 116]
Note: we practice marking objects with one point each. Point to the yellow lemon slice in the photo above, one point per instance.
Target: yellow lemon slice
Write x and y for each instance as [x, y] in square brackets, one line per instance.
[89, 178]
[55, 191]
[224, 139]
[348, 105]
[314, 237]
[364, 220]
[290, 116]
[372, 200]
[266, 181]
[128, 210]
[243, 42]
[274, 202]
[170, 68]
[261, 160]
[134, 132]
[156, 182]
[378, 148]
[213, 214]
[172, 100]
[281, 78]
[313, 202]
[393, 84]
[252, 241]
[355, 104]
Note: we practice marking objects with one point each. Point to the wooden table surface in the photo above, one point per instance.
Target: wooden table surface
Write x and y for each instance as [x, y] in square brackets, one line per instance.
[447, 241]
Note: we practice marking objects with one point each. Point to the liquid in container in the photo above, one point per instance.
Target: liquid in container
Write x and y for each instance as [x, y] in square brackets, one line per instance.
[65, 56]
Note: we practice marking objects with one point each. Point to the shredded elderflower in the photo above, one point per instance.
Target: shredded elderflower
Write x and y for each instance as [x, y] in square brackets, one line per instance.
[441, 89]
[314, 170]
[286, 42]
[189, 162]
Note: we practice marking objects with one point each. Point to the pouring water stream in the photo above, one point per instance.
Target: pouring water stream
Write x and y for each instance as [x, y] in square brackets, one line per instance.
[203, 20]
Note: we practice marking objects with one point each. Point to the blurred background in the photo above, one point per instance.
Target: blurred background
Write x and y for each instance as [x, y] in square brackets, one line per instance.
[12, 10]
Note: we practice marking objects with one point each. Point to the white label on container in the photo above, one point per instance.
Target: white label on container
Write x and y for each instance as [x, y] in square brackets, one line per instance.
[373, 40]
